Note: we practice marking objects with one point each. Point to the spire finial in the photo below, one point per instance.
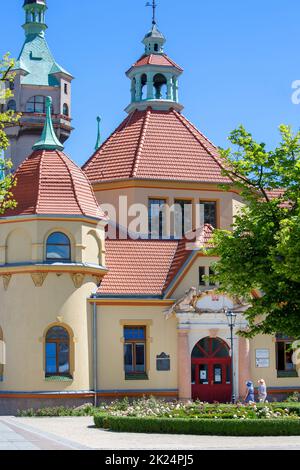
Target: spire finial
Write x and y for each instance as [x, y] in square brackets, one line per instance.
[98, 143]
[48, 140]
[153, 5]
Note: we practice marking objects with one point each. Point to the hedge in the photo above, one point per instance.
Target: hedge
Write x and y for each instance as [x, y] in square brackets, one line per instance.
[210, 427]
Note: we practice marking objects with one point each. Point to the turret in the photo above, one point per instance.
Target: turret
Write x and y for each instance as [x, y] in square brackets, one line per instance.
[37, 76]
[154, 77]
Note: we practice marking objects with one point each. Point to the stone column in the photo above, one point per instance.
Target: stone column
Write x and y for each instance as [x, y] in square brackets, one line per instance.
[170, 88]
[184, 366]
[175, 89]
[138, 90]
[149, 86]
[244, 365]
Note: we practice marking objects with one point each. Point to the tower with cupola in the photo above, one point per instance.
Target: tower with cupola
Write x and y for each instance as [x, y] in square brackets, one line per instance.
[52, 258]
[37, 75]
[154, 77]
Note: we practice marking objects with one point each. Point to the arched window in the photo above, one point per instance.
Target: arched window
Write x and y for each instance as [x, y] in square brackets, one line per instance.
[160, 86]
[12, 106]
[58, 247]
[57, 352]
[36, 104]
[143, 86]
[65, 110]
[210, 348]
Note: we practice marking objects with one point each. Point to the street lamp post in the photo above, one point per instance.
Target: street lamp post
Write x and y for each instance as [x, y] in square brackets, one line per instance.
[231, 319]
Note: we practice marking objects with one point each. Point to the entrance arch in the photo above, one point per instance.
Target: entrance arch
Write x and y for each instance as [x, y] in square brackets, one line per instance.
[211, 371]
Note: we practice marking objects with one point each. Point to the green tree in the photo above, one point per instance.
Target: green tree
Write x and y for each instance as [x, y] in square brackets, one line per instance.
[7, 118]
[262, 252]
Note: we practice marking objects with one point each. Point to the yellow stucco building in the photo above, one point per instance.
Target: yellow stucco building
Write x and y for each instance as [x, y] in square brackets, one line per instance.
[102, 290]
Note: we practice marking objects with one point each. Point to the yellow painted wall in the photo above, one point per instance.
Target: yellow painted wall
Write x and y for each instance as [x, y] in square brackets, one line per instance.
[269, 374]
[22, 241]
[226, 200]
[191, 278]
[162, 337]
[26, 312]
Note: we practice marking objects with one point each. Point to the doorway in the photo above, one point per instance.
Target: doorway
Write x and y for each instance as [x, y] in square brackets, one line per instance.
[211, 371]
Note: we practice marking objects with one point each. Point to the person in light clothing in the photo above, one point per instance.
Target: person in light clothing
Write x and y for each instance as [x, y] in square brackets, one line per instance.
[262, 391]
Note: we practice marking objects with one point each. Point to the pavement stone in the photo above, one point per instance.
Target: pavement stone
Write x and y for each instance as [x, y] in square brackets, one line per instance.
[82, 431]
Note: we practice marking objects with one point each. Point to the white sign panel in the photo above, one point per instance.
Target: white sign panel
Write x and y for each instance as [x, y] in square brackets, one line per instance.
[262, 358]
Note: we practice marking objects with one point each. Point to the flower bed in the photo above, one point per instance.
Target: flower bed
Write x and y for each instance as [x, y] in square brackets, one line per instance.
[152, 408]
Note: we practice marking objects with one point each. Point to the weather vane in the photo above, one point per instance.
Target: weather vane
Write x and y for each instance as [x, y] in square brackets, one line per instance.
[153, 5]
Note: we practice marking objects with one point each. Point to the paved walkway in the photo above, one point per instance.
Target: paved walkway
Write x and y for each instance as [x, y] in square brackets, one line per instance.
[15, 435]
[81, 433]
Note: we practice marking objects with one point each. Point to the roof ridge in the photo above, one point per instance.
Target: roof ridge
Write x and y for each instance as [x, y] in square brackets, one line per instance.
[171, 266]
[193, 130]
[141, 142]
[39, 185]
[123, 124]
[172, 61]
[61, 155]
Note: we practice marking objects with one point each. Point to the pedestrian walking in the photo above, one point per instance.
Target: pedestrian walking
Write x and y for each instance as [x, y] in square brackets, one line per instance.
[250, 392]
[262, 391]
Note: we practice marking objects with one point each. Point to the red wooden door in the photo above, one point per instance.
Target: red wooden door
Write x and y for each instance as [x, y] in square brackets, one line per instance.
[211, 371]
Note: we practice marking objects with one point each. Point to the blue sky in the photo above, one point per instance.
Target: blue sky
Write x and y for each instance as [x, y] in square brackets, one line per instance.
[240, 59]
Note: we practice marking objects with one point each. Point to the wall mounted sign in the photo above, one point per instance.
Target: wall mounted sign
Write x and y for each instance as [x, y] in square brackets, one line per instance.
[262, 358]
[163, 362]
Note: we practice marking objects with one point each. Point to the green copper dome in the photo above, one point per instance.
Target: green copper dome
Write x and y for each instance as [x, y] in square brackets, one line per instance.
[36, 59]
[29, 2]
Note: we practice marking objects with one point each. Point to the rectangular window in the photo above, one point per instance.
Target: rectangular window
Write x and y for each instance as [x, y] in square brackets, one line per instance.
[135, 350]
[209, 209]
[284, 356]
[211, 274]
[66, 88]
[183, 213]
[202, 281]
[157, 217]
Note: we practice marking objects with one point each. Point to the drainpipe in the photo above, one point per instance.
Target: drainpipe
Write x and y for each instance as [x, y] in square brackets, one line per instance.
[95, 351]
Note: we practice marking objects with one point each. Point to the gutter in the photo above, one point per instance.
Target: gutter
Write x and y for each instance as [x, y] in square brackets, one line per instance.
[95, 350]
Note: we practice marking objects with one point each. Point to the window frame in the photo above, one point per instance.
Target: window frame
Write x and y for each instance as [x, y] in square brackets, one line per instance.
[69, 245]
[14, 109]
[57, 342]
[162, 203]
[216, 202]
[134, 342]
[182, 203]
[66, 107]
[286, 342]
[35, 104]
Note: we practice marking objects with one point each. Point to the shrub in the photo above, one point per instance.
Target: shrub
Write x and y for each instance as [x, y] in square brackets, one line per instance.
[215, 427]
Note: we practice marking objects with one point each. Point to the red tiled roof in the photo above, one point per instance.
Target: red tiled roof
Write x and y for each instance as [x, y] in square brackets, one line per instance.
[155, 144]
[48, 182]
[140, 267]
[156, 59]
[144, 267]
